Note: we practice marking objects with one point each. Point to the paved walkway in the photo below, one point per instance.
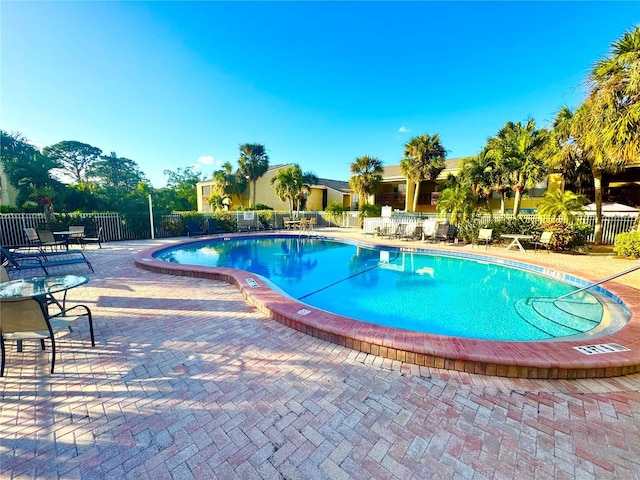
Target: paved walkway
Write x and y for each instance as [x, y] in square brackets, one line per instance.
[188, 381]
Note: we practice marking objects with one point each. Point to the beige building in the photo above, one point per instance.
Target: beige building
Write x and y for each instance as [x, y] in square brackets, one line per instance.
[397, 191]
[321, 194]
[7, 192]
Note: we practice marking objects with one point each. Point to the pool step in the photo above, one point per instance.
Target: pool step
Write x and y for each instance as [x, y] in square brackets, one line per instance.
[559, 318]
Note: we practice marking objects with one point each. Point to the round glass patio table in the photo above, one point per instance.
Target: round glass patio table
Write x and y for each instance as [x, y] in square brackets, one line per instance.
[40, 286]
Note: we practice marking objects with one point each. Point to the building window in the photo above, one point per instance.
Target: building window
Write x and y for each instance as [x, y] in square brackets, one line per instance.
[206, 190]
[434, 198]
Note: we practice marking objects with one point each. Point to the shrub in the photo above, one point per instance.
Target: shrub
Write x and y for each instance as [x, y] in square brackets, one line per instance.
[627, 244]
[469, 230]
[334, 210]
[567, 236]
[369, 211]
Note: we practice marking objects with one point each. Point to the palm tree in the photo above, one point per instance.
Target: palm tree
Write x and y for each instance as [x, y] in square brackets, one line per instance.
[615, 98]
[366, 176]
[561, 203]
[578, 139]
[423, 160]
[253, 163]
[457, 202]
[228, 183]
[518, 150]
[290, 185]
[478, 171]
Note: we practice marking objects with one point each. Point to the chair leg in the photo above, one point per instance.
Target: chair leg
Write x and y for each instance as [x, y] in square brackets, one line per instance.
[3, 356]
[53, 353]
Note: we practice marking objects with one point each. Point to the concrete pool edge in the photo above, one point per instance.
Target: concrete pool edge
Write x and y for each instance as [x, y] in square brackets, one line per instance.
[544, 360]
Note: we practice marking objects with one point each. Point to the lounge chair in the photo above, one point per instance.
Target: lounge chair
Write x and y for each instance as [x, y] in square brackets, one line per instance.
[28, 319]
[213, 228]
[43, 260]
[485, 235]
[429, 228]
[194, 230]
[544, 241]
[415, 234]
[398, 232]
[446, 232]
[41, 240]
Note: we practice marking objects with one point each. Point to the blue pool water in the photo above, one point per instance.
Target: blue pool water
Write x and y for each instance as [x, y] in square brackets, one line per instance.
[429, 293]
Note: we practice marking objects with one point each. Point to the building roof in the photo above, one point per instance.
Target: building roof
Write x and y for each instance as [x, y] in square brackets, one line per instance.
[393, 173]
[337, 185]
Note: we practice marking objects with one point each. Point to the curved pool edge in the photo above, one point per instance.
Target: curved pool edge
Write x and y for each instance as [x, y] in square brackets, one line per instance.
[556, 359]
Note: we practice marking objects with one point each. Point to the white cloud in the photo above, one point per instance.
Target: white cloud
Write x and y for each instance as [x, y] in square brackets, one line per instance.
[206, 160]
[403, 129]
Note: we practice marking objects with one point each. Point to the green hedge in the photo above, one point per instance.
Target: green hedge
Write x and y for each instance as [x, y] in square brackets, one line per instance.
[627, 244]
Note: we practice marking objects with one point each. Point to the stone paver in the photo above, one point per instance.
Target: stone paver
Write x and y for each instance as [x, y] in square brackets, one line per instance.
[188, 381]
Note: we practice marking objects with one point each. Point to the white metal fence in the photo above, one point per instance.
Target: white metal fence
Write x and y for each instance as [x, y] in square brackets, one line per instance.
[612, 225]
[115, 227]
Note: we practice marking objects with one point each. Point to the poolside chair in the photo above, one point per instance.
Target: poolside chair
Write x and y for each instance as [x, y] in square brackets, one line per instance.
[312, 224]
[194, 230]
[415, 234]
[77, 235]
[544, 241]
[398, 232]
[304, 224]
[43, 260]
[40, 239]
[429, 228]
[4, 275]
[213, 228]
[31, 237]
[28, 319]
[485, 235]
[97, 238]
[285, 222]
[48, 239]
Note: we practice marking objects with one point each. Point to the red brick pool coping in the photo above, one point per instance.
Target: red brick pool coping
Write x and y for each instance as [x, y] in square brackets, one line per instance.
[544, 360]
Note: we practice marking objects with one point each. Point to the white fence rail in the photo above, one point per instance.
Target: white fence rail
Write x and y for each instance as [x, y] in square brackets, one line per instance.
[114, 227]
[611, 225]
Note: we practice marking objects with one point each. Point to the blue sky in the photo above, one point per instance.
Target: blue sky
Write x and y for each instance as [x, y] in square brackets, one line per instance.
[173, 84]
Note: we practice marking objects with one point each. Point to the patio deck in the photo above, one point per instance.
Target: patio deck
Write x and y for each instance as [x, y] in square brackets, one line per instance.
[188, 380]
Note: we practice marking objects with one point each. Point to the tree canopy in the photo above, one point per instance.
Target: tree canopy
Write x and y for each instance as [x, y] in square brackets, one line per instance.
[424, 159]
[74, 158]
[366, 176]
[253, 164]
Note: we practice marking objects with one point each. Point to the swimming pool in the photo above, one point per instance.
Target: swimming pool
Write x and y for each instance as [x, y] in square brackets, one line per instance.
[421, 291]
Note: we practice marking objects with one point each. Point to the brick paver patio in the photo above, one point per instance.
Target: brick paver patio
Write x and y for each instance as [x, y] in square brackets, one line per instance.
[188, 381]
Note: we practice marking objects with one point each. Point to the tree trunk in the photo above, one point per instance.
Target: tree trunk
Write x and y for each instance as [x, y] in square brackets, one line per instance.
[502, 203]
[516, 202]
[597, 185]
[253, 194]
[416, 193]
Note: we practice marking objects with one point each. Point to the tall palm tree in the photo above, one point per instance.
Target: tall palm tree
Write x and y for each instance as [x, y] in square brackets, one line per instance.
[366, 176]
[253, 163]
[615, 98]
[423, 160]
[578, 139]
[518, 149]
[478, 171]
